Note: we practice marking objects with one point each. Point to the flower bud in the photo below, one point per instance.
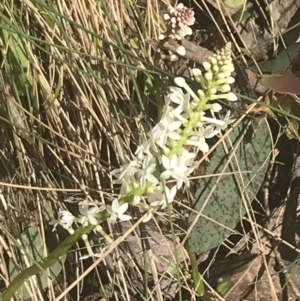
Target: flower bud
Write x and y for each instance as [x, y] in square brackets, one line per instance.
[230, 80]
[180, 82]
[181, 50]
[225, 88]
[220, 75]
[196, 72]
[174, 58]
[208, 76]
[201, 94]
[231, 97]
[215, 69]
[167, 17]
[215, 107]
[213, 61]
[206, 66]
[212, 91]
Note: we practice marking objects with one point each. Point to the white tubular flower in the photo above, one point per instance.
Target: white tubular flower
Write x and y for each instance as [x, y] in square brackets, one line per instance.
[229, 96]
[148, 148]
[164, 131]
[155, 194]
[199, 142]
[212, 121]
[187, 158]
[117, 212]
[128, 169]
[167, 112]
[182, 100]
[145, 173]
[198, 137]
[88, 214]
[227, 121]
[173, 167]
[184, 179]
[65, 219]
[167, 197]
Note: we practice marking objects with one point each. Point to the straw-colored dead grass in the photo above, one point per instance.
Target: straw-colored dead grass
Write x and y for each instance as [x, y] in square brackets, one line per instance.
[74, 104]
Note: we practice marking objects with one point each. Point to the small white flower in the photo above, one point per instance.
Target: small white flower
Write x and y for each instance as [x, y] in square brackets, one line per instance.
[198, 142]
[227, 121]
[117, 212]
[88, 214]
[65, 219]
[172, 167]
[187, 158]
[125, 170]
[215, 107]
[198, 137]
[148, 217]
[167, 197]
[228, 96]
[167, 112]
[145, 173]
[148, 147]
[182, 100]
[213, 121]
[165, 130]
[184, 178]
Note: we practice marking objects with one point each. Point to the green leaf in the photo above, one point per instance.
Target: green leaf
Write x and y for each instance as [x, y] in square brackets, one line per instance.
[16, 54]
[198, 282]
[14, 42]
[234, 3]
[222, 288]
[283, 82]
[241, 15]
[173, 270]
[54, 256]
[33, 246]
[285, 57]
[133, 43]
[242, 176]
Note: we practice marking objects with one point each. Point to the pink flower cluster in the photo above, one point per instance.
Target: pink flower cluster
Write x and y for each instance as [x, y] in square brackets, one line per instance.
[179, 20]
[184, 15]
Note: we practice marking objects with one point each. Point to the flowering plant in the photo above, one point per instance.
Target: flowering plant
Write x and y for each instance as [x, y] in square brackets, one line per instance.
[164, 162]
[178, 21]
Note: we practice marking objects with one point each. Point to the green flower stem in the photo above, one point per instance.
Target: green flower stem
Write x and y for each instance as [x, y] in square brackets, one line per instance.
[50, 260]
[195, 117]
[196, 276]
